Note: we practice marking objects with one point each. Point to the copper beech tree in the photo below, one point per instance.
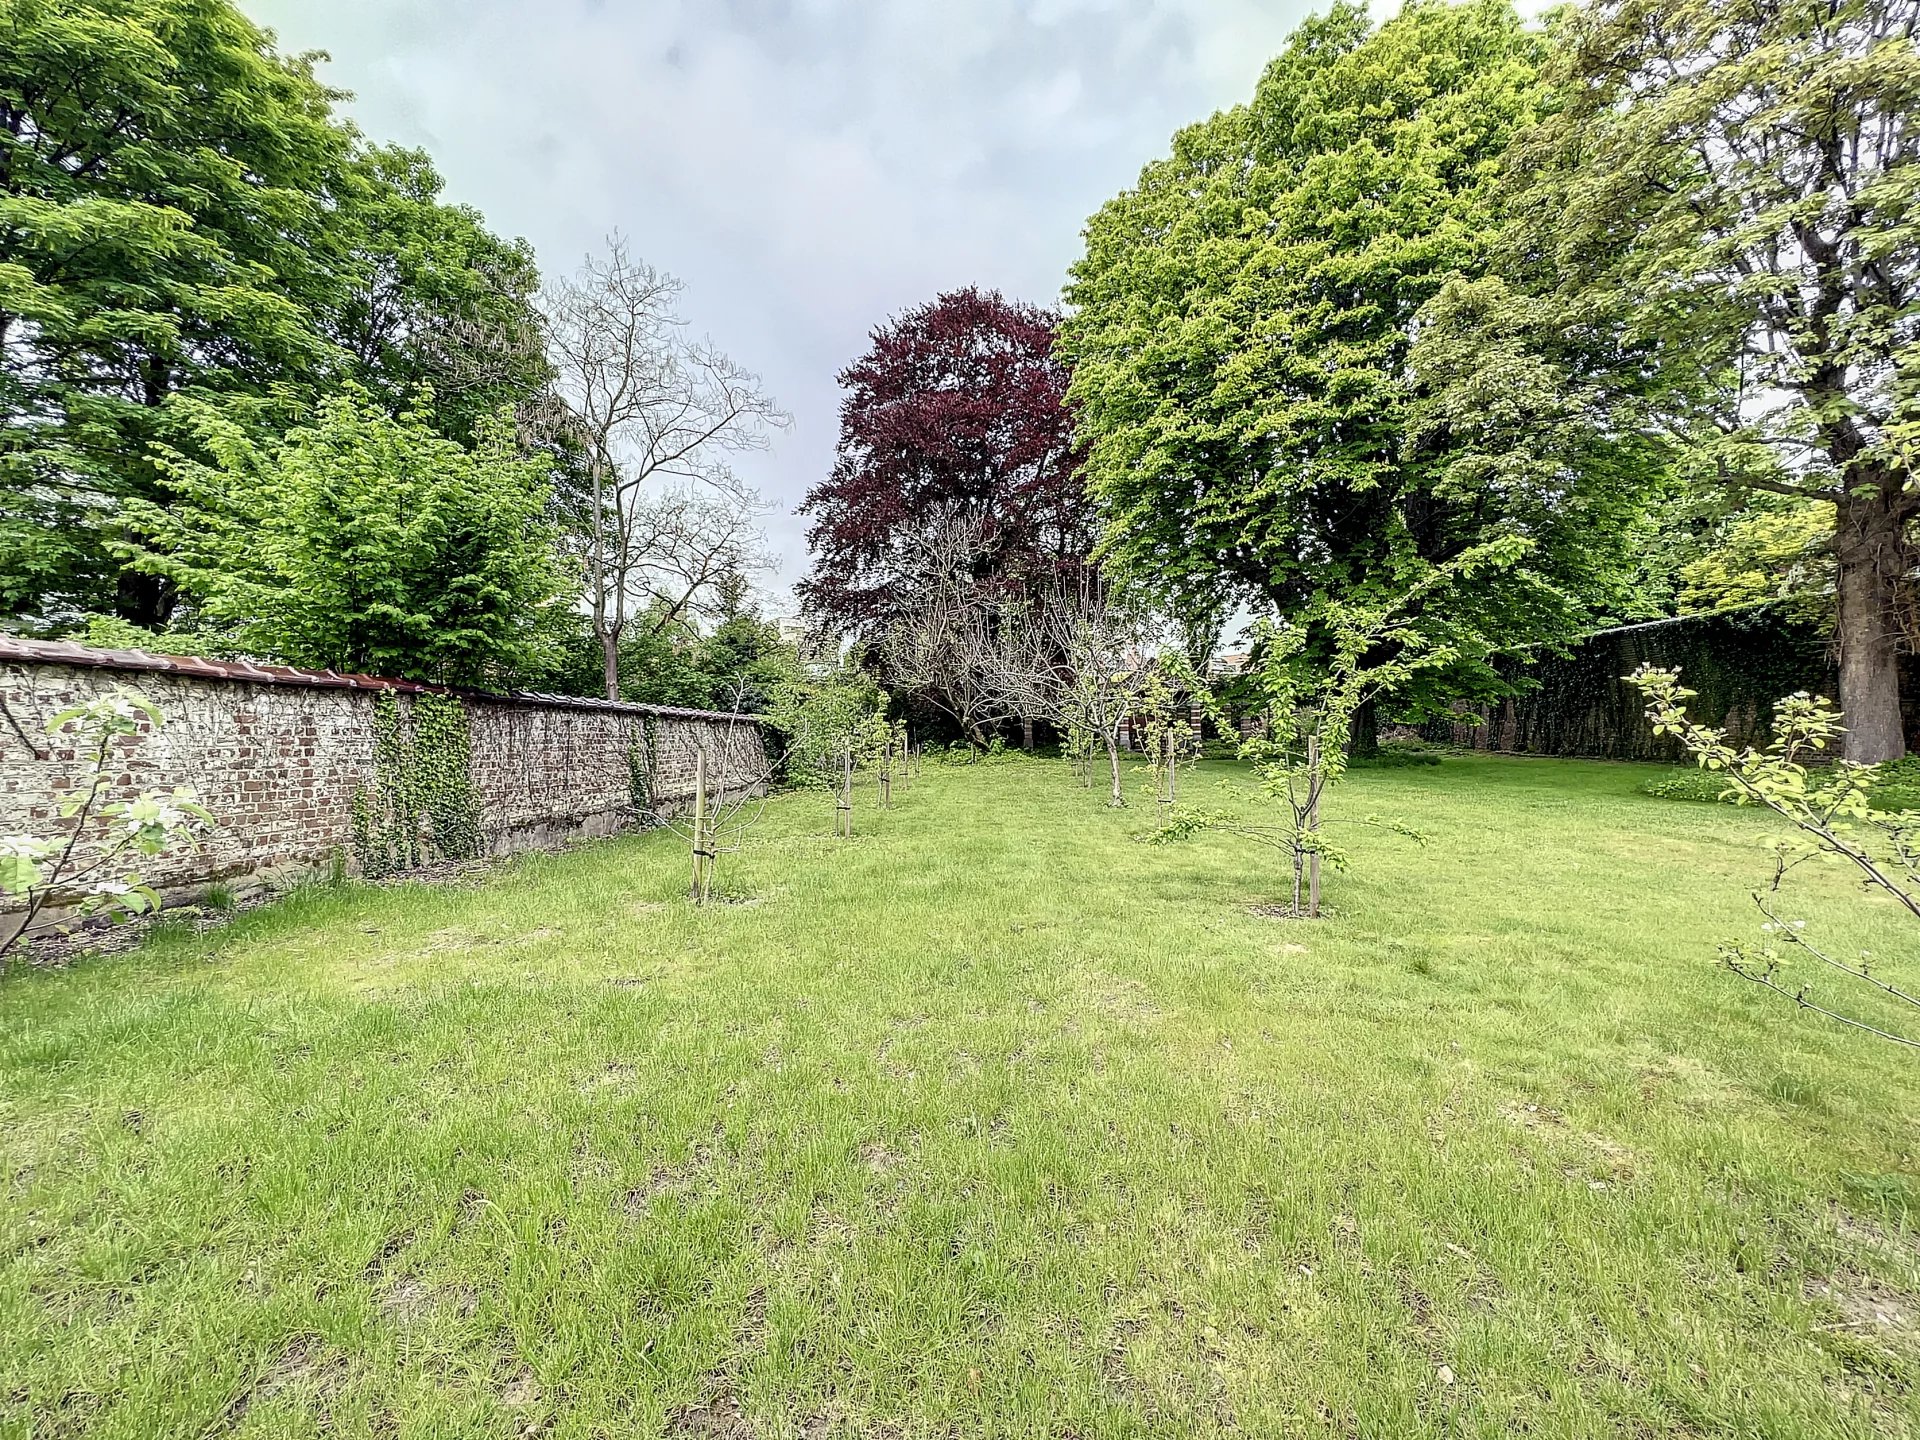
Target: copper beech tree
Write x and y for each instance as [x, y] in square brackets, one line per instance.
[955, 415]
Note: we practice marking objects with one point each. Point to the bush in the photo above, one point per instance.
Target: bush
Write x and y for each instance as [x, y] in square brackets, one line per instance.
[1396, 755]
[1896, 786]
[1701, 786]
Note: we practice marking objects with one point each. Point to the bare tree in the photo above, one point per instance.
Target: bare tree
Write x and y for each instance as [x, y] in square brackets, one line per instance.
[653, 507]
[948, 641]
[1083, 661]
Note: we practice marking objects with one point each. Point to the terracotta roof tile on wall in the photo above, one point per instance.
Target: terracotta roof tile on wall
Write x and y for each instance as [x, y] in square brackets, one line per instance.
[19, 651]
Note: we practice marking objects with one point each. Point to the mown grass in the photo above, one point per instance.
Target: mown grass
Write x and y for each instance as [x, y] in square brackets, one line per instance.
[994, 1121]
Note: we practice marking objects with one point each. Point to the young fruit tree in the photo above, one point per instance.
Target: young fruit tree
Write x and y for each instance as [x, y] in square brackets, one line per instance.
[834, 721]
[724, 806]
[84, 868]
[1167, 734]
[1830, 809]
[1310, 703]
[1082, 660]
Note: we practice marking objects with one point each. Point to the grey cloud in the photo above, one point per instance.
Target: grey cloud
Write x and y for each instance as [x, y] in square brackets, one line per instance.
[808, 167]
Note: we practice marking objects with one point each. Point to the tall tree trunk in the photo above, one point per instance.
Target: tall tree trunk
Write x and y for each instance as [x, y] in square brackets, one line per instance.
[1363, 740]
[610, 659]
[141, 599]
[1113, 766]
[1868, 549]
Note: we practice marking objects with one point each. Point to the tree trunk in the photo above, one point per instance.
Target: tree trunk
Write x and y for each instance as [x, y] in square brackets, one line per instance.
[1026, 732]
[142, 599]
[1868, 550]
[610, 655]
[1363, 740]
[1113, 765]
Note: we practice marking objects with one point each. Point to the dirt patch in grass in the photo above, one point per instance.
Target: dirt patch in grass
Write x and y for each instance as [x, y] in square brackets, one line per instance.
[1281, 912]
[409, 1300]
[305, 1367]
[1529, 1116]
[520, 1389]
[389, 1251]
[720, 1417]
[445, 872]
[1868, 1307]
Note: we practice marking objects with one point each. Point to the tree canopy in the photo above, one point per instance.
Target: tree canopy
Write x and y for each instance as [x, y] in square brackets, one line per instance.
[1712, 238]
[181, 213]
[1243, 325]
[956, 413]
[365, 542]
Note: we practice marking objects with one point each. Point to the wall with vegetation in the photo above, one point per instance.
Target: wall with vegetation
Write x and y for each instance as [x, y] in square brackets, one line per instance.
[305, 771]
[1578, 703]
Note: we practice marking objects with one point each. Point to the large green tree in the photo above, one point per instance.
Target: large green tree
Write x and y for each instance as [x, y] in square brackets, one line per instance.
[1241, 333]
[431, 298]
[162, 174]
[1715, 238]
[364, 541]
[181, 213]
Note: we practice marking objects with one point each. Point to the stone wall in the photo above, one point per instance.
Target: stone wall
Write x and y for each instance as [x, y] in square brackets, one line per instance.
[278, 756]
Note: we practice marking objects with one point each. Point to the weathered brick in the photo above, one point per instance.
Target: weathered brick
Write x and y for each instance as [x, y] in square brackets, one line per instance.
[283, 801]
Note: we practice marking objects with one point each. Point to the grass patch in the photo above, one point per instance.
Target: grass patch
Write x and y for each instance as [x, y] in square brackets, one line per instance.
[1898, 789]
[993, 1121]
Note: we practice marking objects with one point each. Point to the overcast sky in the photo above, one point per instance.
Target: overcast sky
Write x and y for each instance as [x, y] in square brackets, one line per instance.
[807, 167]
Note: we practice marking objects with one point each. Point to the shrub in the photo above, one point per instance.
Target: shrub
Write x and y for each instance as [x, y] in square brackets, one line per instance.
[1831, 810]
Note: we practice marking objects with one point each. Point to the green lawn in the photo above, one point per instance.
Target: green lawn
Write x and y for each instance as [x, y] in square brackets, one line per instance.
[993, 1121]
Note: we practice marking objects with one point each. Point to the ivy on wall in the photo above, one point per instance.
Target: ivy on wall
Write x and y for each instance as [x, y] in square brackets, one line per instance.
[1580, 704]
[421, 805]
[641, 749]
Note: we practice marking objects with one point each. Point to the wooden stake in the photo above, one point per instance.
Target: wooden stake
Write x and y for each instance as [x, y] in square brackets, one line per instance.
[843, 802]
[699, 826]
[1313, 826]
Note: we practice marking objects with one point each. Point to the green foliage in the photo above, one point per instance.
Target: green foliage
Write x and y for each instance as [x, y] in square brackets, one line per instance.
[163, 175]
[640, 752]
[1711, 243]
[1576, 703]
[110, 632]
[1893, 786]
[829, 716]
[1242, 332]
[1722, 207]
[181, 212]
[364, 542]
[1698, 786]
[421, 805]
[1309, 706]
[1164, 709]
[1833, 817]
[81, 868]
[1774, 549]
[736, 665]
[438, 302]
[1396, 755]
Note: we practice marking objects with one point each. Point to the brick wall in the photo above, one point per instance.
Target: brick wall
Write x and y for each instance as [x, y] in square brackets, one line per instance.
[277, 756]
